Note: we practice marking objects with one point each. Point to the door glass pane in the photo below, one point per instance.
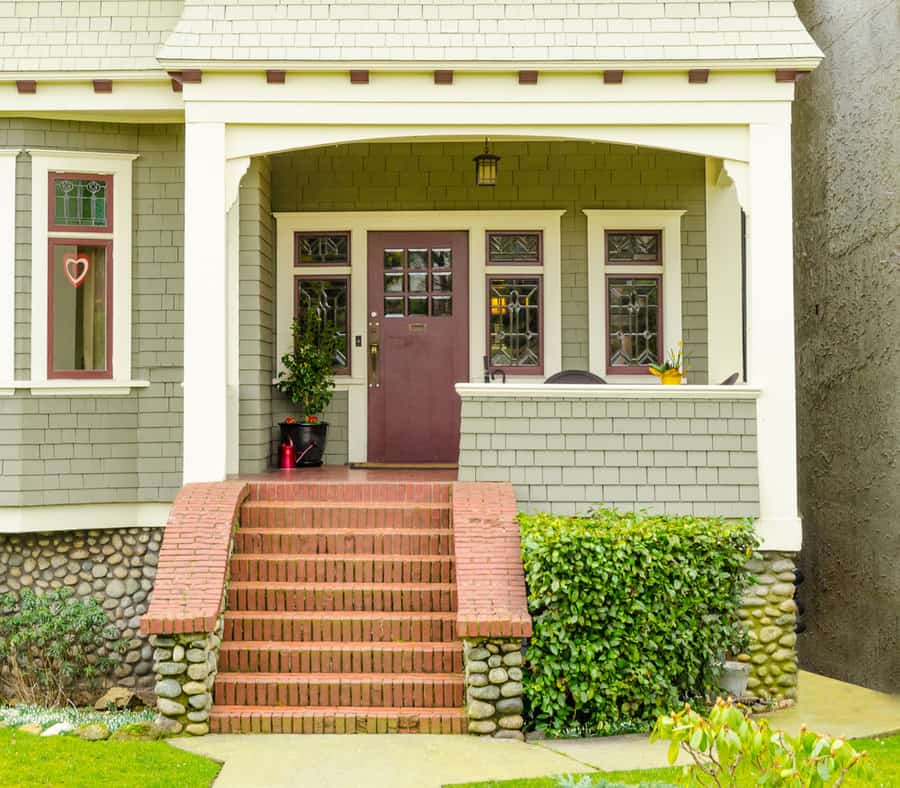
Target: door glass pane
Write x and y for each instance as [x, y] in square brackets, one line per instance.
[441, 306]
[418, 259]
[442, 282]
[393, 258]
[515, 319]
[393, 306]
[418, 305]
[418, 283]
[393, 283]
[441, 258]
[79, 308]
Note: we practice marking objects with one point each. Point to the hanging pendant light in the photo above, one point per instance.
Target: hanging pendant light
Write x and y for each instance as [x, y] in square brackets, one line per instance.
[486, 167]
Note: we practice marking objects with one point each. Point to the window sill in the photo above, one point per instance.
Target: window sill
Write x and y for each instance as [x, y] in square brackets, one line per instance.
[75, 388]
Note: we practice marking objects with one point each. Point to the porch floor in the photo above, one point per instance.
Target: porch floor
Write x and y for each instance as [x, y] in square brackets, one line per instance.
[344, 473]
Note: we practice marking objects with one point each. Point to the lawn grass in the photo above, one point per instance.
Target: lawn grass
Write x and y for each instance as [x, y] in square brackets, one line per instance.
[883, 762]
[29, 761]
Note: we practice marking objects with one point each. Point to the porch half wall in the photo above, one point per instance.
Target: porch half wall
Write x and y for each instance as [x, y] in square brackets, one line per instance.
[671, 452]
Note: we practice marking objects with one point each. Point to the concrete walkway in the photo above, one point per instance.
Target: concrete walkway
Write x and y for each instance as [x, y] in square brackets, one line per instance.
[826, 706]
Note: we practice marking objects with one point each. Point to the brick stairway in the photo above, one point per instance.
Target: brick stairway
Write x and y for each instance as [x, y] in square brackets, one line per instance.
[341, 612]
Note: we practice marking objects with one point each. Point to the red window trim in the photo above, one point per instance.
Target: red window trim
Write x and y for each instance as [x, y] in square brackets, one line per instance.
[536, 370]
[625, 370]
[487, 247]
[80, 374]
[52, 227]
[298, 236]
[342, 371]
[659, 258]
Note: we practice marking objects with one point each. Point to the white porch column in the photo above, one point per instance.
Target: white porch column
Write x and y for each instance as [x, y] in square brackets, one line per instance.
[770, 356]
[723, 274]
[205, 309]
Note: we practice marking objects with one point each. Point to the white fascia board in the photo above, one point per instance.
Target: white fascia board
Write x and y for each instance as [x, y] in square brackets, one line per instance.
[79, 517]
[80, 96]
[515, 391]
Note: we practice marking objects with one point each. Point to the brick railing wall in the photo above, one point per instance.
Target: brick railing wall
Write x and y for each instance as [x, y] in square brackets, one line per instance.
[193, 561]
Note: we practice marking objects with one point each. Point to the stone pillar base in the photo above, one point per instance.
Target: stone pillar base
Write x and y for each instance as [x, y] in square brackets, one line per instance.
[186, 667]
[769, 615]
[494, 687]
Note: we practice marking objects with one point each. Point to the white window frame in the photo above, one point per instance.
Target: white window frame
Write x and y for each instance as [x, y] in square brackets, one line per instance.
[119, 165]
[7, 269]
[599, 222]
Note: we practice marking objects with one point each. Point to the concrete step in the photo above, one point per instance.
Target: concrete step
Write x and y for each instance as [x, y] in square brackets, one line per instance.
[343, 568]
[267, 657]
[268, 595]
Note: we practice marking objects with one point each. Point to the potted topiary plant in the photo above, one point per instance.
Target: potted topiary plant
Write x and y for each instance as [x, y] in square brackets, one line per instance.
[307, 381]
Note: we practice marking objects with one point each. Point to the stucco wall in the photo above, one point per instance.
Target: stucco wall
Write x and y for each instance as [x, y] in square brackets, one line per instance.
[565, 454]
[58, 450]
[847, 221]
[533, 175]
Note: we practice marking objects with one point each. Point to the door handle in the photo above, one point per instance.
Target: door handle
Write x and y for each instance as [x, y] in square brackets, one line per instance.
[374, 351]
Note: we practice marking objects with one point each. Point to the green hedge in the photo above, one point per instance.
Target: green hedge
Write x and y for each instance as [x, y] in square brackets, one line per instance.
[632, 613]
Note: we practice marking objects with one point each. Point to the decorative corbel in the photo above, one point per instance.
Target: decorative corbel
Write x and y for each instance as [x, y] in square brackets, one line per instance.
[234, 171]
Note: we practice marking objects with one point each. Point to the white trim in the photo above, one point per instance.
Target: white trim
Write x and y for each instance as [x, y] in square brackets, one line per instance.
[598, 222]
[120, 166]
[784, 534]
[359, 223]
[78, 517]
[724, 295]
[8, 265]
[631, 392]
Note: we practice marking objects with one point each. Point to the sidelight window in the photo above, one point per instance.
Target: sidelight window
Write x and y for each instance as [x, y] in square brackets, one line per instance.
[515, 323]
[329, 297]
[634, 322]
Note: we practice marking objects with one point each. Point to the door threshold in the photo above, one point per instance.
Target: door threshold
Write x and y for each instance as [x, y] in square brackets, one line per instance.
[404, 466]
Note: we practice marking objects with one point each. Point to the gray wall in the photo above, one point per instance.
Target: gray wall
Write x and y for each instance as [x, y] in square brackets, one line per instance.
[57, 450]
[847, 220]
[533, 175]
[564, 455]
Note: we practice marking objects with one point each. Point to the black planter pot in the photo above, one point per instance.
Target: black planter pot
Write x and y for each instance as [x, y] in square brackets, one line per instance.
[308, 440]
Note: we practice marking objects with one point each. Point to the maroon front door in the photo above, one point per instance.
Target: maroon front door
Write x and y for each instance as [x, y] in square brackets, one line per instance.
[417, 344]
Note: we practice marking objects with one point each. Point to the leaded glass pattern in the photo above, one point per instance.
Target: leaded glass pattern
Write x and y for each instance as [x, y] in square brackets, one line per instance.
[330, 299]
[323, 249]
[633, 246]
[80, 201]
[514, 317]
[508, 248]
[633, 321]
[418, 282]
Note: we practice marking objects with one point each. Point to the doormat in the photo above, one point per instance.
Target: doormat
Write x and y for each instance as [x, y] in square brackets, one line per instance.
[404, 466]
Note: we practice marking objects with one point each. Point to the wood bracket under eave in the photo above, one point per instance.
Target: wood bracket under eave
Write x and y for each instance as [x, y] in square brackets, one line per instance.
[359, 77]
[698, 76]
[528, 77]
[790, 74]
[190, 76]
[26, 86]
[103, 86]
[613, 77]
[275, 76]
[443, 77]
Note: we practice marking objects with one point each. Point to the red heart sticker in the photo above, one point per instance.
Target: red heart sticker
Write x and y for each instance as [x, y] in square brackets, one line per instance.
[76, 268]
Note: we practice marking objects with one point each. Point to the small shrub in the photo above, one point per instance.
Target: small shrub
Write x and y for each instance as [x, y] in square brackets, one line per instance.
[730, 750]
[53, 645]
[632, 614]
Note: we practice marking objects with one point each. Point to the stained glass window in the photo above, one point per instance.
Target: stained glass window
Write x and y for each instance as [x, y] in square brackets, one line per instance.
[511, 248]
[514, 317]
[330, 298]
[633, 246]
[80, 201]
[634, 320]
[322, 249]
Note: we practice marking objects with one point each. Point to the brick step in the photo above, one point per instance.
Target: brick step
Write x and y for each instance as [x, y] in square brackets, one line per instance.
[332, 541]
[265, 657]
[343, 568]
[383, 690]
[262, 719]
[426, 597]
[359, 492]
[331, 626]
[344, 514]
